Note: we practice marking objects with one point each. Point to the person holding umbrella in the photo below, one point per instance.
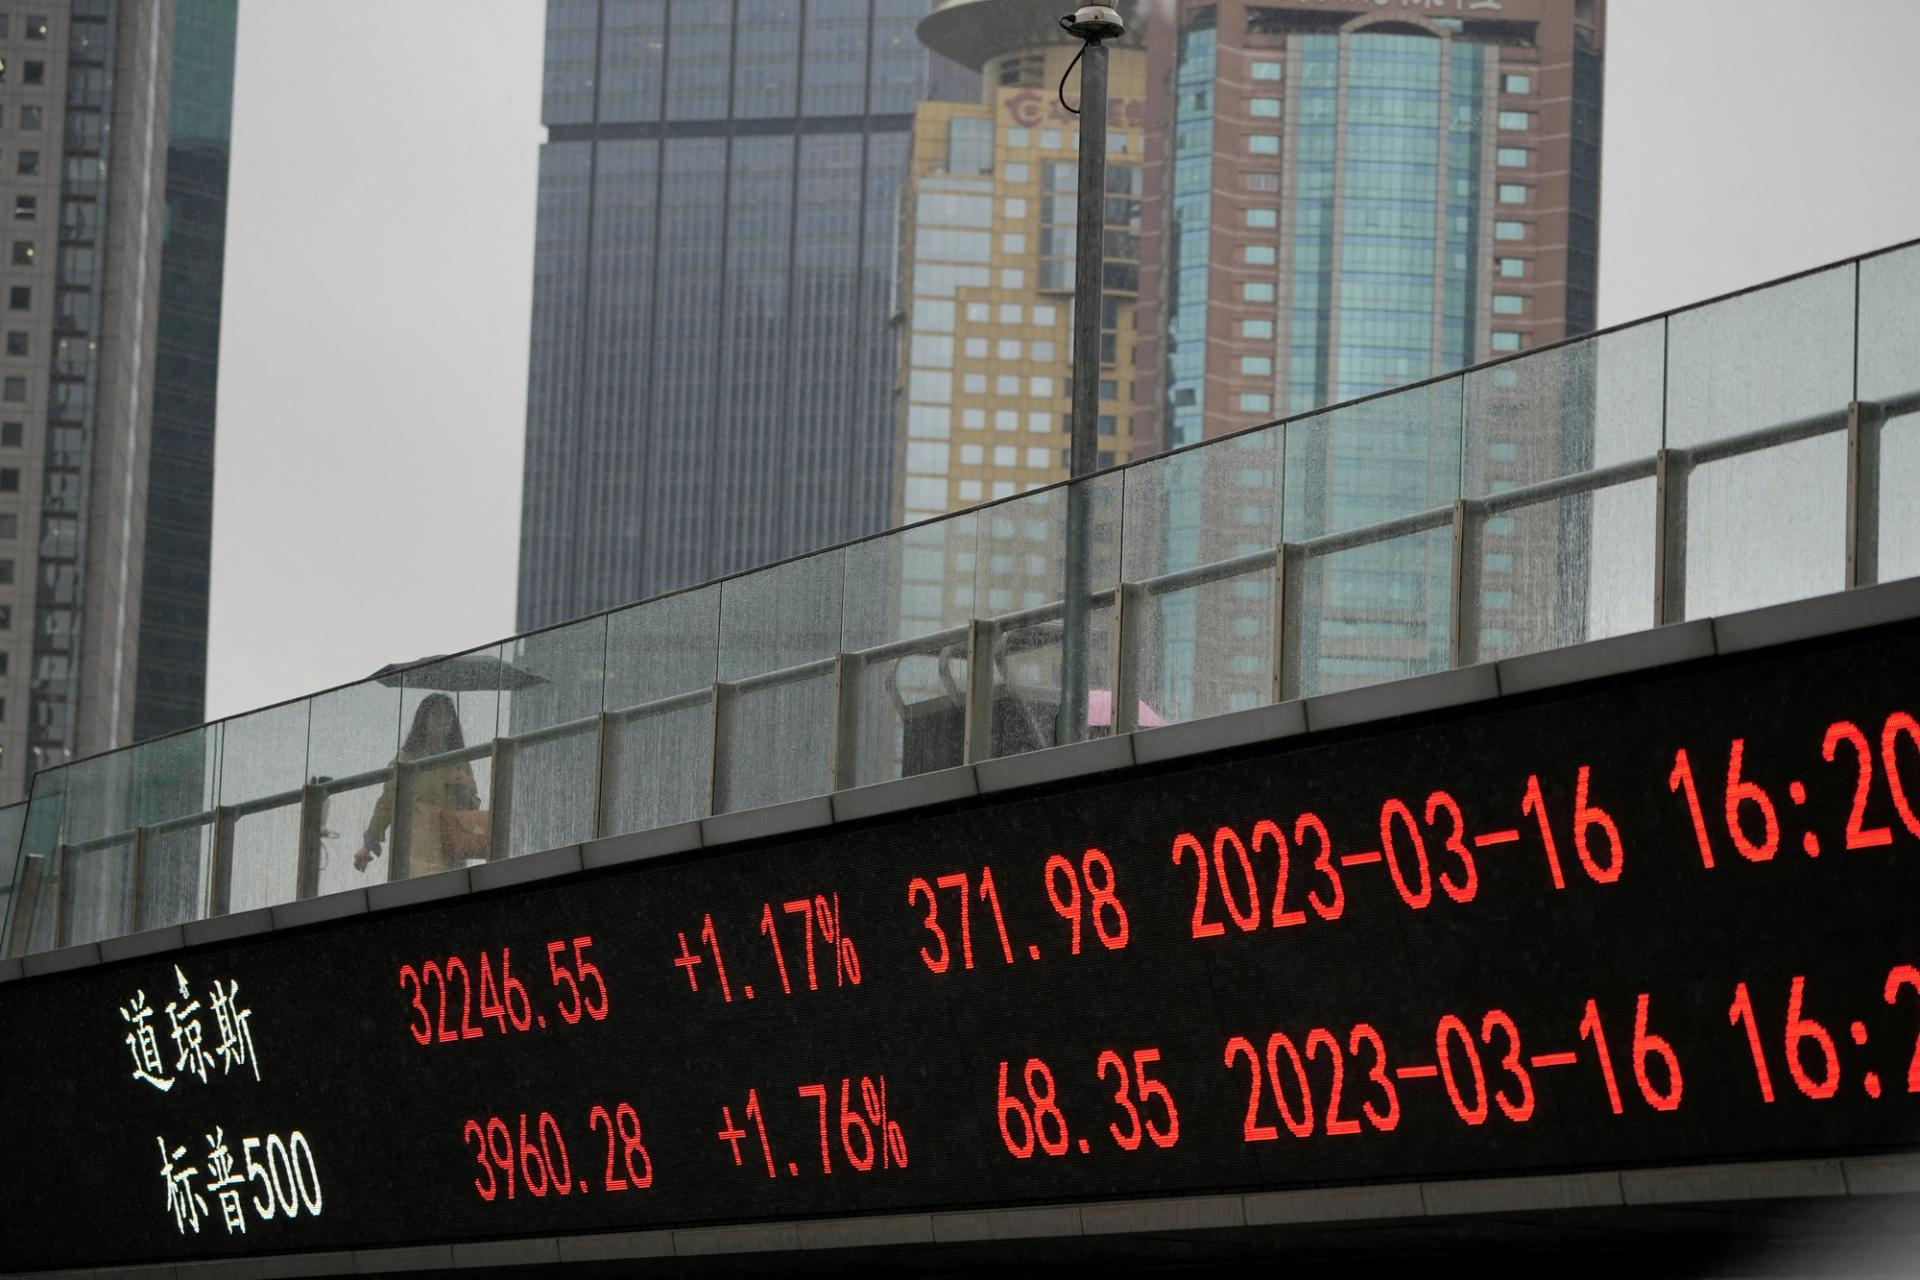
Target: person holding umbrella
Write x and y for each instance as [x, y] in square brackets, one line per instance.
[447, 826]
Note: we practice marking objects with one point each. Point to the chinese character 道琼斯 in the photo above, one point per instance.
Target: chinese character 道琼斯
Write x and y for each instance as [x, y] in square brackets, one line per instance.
[182, 1200]
[182, 1014]
[144, 1045]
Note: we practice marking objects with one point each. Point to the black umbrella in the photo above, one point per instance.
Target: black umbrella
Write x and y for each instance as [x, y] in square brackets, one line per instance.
[465, 673]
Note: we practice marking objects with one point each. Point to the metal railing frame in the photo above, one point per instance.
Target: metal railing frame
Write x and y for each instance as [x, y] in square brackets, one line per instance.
[983, 642]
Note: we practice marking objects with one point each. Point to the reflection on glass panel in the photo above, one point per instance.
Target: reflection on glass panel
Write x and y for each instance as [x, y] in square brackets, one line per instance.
[1890, 376]
[661, 665]
[353, 730]
[1203, 648]
[551, 778]
[778, 733]
[1564, 410]
[100, 892]
[175, 865]
[1379, 612]
[35, 887]
[1767, 527]
[908, 708]
[1760, 359]
[1372, 614]
[1562, 572]
[264, 753]
[262, 867]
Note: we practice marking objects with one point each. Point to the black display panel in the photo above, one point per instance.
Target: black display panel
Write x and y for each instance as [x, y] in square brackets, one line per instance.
[1668, 920]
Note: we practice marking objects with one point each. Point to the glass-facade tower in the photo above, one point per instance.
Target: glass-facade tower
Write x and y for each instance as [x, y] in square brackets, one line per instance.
[712, 352]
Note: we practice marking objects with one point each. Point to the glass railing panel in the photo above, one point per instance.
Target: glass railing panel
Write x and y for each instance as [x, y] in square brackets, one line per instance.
[36, 885]
[907, 708]
[13, 824]
[99, 893]
[100, 798]
[1020, 582]
[1371, 613]
[1381, 611]
[263, 766]
[174, 790]
[776, 734]
[354, 732]
[1202, 646]
[551, 714]
[662, 661]
[447, 707]
[1890, 376]
[1580, 566]
[1768, 526]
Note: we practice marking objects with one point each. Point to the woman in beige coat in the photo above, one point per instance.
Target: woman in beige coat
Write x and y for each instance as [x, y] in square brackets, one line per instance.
[446, 790]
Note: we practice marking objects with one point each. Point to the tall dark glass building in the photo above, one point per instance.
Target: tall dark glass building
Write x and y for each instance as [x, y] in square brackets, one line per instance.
[172, 682]
[711, 363]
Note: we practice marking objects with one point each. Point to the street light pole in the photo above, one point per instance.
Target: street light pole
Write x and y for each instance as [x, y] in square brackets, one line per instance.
[1093, 24]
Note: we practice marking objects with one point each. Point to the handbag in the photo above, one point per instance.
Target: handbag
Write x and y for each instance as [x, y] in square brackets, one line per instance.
[466, 833]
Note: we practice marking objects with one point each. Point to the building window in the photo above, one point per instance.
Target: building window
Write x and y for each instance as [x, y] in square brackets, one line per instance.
[1263, 144]
[6, 574]
[26, 208]
[1512, 193]
[1257, 291]
[30, 117]
[36, 73]
[9, 526]
[1016, 207]
[1516, 119]
[1266, 71]
[16, 342]
[1503, 340]
[1264, 108]
[1513, 157]
[6, 617]
[1508, 304]
[14, 390]
[1263, 218]
[1263, 182]
[1257, 366]
[23, 253]
[1022, 73]
[1513, 268]
[1261, 255]
[12, 434]
[28, 163]
[1509, 231]
[1515, 83]
[19, 298]
[1256, 328]
[1020, 138]
[1255, 402]
[969, 146]
[4, 656]
[1017, 173]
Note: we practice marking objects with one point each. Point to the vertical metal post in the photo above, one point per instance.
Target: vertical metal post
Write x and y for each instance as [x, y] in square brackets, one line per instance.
[1672, 469]
[1124, 713]
[716, 747]
[977, 740]
[842, 749]
[1286, 618]
[306, 875]
[599, 820]
[1463, 641]
[137, 883]
[500, 783]
[220, 874]
[400, 832]
[62, 895]
[1864, 421]
[1084, 454]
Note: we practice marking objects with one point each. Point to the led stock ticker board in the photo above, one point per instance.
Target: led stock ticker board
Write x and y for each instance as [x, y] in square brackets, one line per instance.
[1663, 920]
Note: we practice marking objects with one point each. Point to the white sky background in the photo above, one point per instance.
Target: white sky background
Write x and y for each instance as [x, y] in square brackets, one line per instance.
[380, 255]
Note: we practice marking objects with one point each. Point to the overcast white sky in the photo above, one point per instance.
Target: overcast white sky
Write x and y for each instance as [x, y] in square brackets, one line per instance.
[380, 248]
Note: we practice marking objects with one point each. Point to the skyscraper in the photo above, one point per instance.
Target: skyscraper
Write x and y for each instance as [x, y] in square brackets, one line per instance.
[986, 289]
[1350, 195]
[85, 141]
[172, 684]
[711, 349]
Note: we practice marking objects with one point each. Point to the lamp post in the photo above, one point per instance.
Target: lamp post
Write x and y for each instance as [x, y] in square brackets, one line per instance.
[1093, 24]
